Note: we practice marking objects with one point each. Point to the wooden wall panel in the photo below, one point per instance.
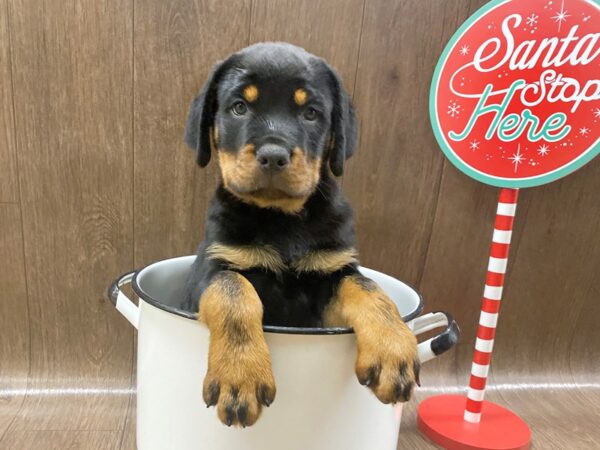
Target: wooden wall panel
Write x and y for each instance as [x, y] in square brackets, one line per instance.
[9, 191]
[14, 324]
[176, 44]
[331, 30]
[393, 179]
[552, 293]
[73, 127]
[545, 275]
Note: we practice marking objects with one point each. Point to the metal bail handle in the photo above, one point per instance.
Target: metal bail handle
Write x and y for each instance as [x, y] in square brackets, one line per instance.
[124, 305]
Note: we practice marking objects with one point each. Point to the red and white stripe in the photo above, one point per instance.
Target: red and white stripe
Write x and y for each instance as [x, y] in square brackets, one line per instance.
[490, 307]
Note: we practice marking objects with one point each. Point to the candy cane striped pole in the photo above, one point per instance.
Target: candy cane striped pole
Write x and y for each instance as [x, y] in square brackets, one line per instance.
[490, 307]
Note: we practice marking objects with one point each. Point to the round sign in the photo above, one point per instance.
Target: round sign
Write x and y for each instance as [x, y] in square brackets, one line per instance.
[515, 98]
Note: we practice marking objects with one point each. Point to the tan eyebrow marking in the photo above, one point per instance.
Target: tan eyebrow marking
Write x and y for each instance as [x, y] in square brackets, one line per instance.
[300, 96]
[251, 93]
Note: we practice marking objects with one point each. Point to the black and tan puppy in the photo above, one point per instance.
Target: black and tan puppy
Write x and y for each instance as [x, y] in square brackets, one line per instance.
[279, 246]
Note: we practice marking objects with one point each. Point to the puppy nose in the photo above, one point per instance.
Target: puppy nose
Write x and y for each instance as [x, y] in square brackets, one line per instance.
[272, 157]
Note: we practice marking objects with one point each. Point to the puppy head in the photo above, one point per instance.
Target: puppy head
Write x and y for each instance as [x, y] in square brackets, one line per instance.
[274, 114]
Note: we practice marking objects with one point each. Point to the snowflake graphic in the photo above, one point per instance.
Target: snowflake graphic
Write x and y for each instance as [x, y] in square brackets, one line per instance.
[532, 20]
[561, 16]
[584, 131]
[596, 113]
[464, 50]
[543, 150]
[517, 158]
[453, 109]
[474, 145]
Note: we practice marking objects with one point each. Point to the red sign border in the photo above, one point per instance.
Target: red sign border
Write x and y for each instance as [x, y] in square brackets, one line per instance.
[538, 180]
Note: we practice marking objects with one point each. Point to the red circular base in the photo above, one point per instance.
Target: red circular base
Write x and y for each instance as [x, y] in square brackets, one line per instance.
[440, 418]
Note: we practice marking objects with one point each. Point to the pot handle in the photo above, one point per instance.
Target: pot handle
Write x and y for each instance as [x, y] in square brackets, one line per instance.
[124, 305]
[439, 344]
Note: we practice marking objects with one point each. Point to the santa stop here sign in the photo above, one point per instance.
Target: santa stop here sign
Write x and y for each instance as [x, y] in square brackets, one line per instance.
[515, 97]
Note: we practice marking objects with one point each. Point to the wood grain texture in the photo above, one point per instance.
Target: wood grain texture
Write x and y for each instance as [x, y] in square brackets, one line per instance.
[14, 323]
[552, 297]
[73, 127]
[176, 44]
[9, 191]
[61, 440]
[557, 419]
[331, 30]
[393, 179]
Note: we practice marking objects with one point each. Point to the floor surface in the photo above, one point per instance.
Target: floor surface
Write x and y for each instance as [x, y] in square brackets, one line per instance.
[561, 417]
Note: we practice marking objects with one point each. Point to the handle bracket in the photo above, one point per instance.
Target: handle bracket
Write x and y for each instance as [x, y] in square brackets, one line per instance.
[439, 344]
[124, 305]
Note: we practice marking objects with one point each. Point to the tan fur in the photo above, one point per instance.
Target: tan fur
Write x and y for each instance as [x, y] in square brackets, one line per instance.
[300, 96]
[250, 93]
[239, 375]
[325, 261]
[302, 174]
[246, 257]
[287, 205]
[241, 170]
[383, 339]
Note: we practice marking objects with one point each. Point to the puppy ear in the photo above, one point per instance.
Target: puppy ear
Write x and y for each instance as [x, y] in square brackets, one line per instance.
[343, 126]
[201, 117]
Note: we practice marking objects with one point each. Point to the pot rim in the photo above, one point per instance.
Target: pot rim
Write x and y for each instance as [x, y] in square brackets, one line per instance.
[267, 328]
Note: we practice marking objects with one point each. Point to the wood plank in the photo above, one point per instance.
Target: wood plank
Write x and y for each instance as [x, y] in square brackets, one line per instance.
[456, 265]
[73, 119]
[393, 180]
[14, 324]
[128, 436]
[9, 190]
[331, 31]
[176, 44]
[61, 440]
[556, 419]
[552, 292]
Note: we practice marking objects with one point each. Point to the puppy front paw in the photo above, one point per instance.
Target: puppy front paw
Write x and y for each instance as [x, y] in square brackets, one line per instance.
[387, 363]
[239, 382]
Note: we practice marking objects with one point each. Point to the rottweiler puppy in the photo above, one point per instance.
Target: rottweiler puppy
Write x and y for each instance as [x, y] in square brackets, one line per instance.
[279, 247]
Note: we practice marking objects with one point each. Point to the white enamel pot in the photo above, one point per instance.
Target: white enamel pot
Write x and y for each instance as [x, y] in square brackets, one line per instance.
[319, 404]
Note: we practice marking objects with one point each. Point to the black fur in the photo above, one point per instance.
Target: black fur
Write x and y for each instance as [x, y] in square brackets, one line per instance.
[325, 222]
[282, 66]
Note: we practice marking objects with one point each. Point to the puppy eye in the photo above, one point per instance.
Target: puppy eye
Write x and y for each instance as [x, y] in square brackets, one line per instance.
[239, 108]
[310, 114]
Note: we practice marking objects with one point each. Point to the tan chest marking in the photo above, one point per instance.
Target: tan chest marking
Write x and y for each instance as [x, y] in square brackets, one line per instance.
[266, 257]
[325, 261]
[247, 256]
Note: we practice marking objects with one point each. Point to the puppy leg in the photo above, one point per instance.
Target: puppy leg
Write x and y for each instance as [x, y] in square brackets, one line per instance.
[239, 378]
[387, 359]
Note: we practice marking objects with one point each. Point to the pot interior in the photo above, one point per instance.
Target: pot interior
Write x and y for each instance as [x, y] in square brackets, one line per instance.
[161, 284]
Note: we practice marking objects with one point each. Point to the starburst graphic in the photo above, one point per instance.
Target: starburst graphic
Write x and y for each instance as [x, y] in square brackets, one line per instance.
[532, 20]
[464, 50]
[543, 150]
[561, 16]
[584, 131]
[453, 109]
[517, 158]
[597, 113]
[474, 145]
